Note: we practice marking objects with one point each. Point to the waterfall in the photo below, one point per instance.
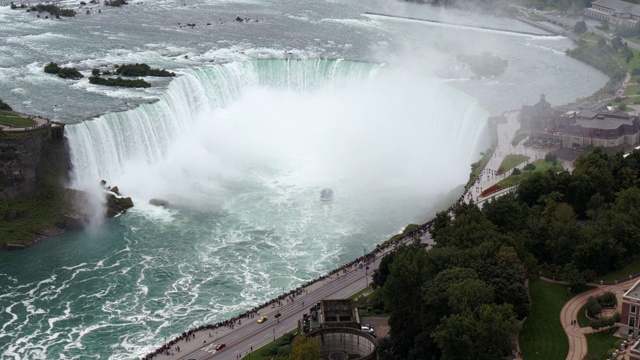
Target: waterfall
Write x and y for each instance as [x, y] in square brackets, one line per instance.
[348, 121]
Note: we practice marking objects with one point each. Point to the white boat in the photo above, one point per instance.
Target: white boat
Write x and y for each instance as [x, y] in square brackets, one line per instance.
[326, 195]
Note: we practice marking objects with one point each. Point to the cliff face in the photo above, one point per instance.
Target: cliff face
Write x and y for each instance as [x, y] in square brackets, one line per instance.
[25, 156]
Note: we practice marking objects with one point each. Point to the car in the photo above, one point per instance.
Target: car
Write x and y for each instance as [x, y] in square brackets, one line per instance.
[262, 319]
[220, 346]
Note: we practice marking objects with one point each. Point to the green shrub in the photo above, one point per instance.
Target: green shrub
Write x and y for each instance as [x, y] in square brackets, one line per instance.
[607, 299]
[529, 166]
[593, 307]
[516, 172]
[622, 107]
[95, 71]
[284, 350]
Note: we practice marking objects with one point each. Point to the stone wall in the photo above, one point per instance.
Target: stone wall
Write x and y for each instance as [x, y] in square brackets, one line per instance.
[357, 344]
[26, 156]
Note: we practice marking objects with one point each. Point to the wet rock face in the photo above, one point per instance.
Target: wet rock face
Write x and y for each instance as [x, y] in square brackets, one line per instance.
[117, 205]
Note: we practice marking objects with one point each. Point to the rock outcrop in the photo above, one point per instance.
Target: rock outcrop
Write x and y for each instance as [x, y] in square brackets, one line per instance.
[117, 205]
[24, 156]
[158, 202]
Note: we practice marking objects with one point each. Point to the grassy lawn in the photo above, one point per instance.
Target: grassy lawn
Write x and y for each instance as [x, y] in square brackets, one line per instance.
[635, 61]
[589, 36]
[583, 320]
[356, 295]
[7, 118]
[632, 90]
[630, 269]
[602, 344]
[542, 336]
[541, 165]
[511, 161]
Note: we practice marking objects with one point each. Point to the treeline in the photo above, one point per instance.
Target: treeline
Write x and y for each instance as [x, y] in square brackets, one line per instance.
[52, 9]
[124, 70]
[562, 5]
[142, 70]
[464, 297]
[5, 106]
[601, 55]
[137, 83]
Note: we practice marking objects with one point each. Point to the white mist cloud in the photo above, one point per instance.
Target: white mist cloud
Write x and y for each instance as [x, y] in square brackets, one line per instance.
[395, 132]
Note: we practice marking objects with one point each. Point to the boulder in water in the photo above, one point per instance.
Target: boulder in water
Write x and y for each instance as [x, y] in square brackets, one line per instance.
[158, 202]
[117, 205]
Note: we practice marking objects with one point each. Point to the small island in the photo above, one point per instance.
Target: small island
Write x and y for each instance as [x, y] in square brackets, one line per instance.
[63, 72]
[118, 81]
[141, 70]
[52, 9]
[485, 64]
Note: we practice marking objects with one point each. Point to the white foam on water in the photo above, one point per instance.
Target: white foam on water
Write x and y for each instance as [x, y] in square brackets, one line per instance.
[358, 23]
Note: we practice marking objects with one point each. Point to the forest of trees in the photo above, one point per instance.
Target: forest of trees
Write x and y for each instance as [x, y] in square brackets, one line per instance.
[463, 298]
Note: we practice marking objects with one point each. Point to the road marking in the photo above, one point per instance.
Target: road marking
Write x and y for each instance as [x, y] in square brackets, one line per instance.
[208, 349]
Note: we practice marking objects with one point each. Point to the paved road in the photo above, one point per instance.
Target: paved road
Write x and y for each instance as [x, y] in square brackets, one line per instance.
[250, 334]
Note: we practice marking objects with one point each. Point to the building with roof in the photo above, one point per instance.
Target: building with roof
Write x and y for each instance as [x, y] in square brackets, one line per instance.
[630, 305]
[605, 129]
[615, 12]
[536, 117]
[335, 324]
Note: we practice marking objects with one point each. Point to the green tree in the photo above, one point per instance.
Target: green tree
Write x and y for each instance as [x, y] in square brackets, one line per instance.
[580, 27]
[468, 294]
[402, 294]
[533, 187]
[486, 333]
[596, 166]
[381, 274]
[440, 222]
[304, 348]
[506, 212]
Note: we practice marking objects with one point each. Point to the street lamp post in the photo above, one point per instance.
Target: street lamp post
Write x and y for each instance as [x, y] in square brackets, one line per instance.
[274, 333]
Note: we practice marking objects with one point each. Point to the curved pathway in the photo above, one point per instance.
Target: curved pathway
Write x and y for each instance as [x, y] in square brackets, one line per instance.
[577, 341]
